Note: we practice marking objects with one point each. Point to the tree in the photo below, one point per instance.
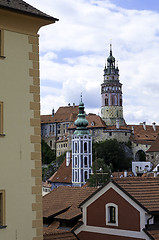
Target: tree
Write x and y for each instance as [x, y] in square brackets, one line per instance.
[48, 155]
[101, 173]
[113, 153]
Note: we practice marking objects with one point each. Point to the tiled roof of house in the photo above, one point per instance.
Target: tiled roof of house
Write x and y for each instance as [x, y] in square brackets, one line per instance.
[94, 121]
[154, 234]
[63, 114]
[23, 7]
[144, 136]
[53, 232]
[63, 174]
[144, 190]
[154, 146]
[64, 201]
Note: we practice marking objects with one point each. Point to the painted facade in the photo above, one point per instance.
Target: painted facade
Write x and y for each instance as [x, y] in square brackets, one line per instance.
[111, 213]
[20, 172]
[81, 150]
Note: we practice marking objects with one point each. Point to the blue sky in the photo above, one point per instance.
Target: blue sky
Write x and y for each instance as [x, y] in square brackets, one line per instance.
[73, 52]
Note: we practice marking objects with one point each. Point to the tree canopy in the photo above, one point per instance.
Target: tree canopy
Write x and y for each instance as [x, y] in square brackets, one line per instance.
[48, 155]
[112, 152]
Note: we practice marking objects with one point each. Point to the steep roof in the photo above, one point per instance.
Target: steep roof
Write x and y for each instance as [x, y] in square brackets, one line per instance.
[154, 146]
[143, 136]
[63, 202]
[63, 174]
[25, 8]
[144, 190]
[63, 114]
[153, 234]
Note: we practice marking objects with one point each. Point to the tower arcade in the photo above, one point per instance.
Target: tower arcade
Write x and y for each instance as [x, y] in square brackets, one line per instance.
[111, 93]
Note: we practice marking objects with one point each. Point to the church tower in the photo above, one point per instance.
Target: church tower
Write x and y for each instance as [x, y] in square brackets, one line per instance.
[81, 150]
[111, 92]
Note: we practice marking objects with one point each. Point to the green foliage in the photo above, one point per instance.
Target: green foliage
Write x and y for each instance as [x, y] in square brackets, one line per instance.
[113, 153]
[101, 173]
[48, 155]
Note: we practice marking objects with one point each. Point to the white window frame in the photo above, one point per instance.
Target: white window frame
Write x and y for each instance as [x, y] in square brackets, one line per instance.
[107, 208]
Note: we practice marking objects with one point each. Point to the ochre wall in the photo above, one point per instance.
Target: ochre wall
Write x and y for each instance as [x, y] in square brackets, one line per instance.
[127, 220]
[20, 148]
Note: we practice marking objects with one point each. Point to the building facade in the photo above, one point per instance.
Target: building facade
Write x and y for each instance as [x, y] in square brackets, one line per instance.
[20, 172]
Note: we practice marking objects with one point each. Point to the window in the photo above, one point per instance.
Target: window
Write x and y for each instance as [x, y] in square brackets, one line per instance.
[1, 43]
[85, 161]
[85, 175]
[110, 134]
[2, 208]
[1, 118]
[75, 147]
[111, 214]
[85, 147]
[75, 161]
[106, 102]
[50, 143]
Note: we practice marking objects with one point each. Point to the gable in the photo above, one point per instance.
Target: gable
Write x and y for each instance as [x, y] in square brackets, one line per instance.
[128, 219]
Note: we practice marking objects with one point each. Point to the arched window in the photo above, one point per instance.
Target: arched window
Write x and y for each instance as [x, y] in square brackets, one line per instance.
[85, 147]
[85, 162]
[75, 147]
[85, 176]
[106, 102]
[111, 214]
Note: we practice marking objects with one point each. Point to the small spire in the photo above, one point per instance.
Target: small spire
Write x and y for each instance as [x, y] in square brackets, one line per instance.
[110, 47]
[81, 96]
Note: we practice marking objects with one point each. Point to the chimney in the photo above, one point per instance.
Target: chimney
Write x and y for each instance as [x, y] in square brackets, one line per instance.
[117, 123]
[154, 126]
[73, 104]
[132, 128]
[67, 159]
[125, 173]
[144, 125]
[53, 112]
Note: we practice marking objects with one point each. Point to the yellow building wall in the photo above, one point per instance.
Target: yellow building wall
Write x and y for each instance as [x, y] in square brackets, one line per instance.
[20, 171]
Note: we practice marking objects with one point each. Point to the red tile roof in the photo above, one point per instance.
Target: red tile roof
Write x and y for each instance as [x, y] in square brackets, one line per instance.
[63, 114]
[94, 121]
[64, 201]
[144, 190]
[154, 146]
[154, 234]
[144, 136]
[63, 174]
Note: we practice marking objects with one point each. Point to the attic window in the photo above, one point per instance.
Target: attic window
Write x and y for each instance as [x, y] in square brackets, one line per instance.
[92, 123]
[111, 214]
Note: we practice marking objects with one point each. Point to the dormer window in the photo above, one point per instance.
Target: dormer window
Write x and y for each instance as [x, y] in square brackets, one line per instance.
[111, 214]
[92, 123]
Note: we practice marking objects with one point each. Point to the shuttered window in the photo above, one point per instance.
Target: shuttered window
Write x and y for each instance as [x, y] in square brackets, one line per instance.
[1, 117]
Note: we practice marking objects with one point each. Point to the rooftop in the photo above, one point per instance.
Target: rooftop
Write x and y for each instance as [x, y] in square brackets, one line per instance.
[25, 8]
[63, 202]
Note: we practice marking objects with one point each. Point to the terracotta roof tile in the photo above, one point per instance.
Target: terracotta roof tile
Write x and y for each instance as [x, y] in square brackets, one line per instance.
[25, 8]
[144, 190]
[63, 174]
[94, 121]
[63, 114]
[153, 233]
[144, 136]
[64, 199]
[155, 146]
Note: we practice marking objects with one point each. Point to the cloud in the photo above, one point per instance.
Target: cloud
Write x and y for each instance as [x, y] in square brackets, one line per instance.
[73, 53]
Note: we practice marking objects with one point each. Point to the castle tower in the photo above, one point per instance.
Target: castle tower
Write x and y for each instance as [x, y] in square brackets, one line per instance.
[111, 92]
[81, 150]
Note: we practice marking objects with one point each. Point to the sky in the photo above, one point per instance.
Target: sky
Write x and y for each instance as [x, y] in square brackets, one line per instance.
[73, 52]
